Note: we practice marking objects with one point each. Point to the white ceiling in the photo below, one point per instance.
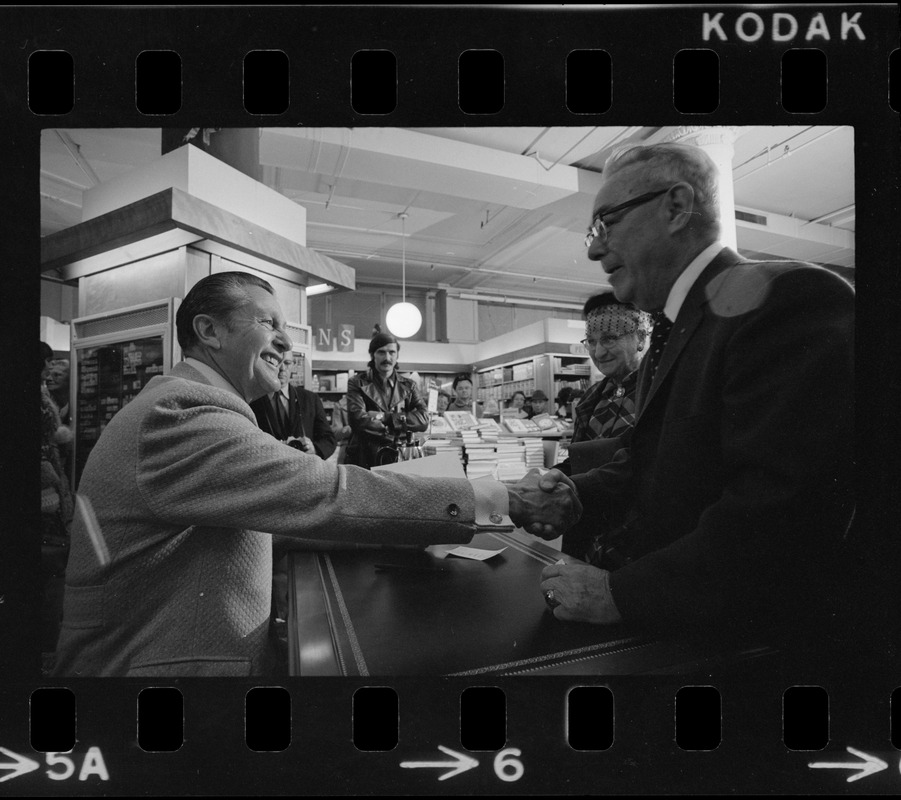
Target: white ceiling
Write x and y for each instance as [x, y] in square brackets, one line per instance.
[496, 210]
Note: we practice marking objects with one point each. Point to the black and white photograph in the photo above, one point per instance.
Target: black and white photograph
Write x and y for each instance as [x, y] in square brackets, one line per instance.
[738, 508]
[659, 510]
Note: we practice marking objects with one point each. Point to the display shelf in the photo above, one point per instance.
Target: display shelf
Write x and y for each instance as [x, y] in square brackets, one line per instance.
[549, 372]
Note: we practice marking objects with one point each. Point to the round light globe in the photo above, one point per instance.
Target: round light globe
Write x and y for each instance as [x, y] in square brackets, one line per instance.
[403, 319]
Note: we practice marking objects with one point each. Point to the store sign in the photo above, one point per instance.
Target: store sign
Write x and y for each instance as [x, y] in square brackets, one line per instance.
[340, 339]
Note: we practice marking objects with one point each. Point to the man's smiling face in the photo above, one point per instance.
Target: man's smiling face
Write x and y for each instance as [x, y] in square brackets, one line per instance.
[253, 345]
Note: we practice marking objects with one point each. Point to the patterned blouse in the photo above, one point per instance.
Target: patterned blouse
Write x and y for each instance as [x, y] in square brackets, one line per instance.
[606, 410]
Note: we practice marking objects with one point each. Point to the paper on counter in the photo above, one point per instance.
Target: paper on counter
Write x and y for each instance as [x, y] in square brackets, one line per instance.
[474, 553]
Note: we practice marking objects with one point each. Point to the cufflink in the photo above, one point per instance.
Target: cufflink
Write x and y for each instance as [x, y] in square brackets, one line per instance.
[495, 519]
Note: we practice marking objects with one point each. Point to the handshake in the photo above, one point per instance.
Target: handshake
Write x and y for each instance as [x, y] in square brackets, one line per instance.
[545, 505]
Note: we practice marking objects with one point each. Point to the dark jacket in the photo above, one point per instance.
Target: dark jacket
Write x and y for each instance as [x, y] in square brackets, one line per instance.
[364, 394]
[732, 503]
[306, 417]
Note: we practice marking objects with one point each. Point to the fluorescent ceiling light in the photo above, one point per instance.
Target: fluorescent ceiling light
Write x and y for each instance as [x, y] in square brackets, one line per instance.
[519, 301]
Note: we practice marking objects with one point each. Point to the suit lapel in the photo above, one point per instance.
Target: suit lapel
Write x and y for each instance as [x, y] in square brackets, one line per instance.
[687, 321]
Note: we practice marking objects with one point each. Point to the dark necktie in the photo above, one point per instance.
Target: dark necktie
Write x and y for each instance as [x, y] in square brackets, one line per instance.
[662, 328]
[281, 414]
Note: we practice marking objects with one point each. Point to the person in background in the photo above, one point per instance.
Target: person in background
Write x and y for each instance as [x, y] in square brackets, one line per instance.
[537, 405]
[295, 415]
[463, 395]
[187, 493]
[491, 410]
[565, 401]
[729, 515]
[444, 400]
[616, 337]
[516, 406]
[56, 377]
[57, 508]
[380, 403]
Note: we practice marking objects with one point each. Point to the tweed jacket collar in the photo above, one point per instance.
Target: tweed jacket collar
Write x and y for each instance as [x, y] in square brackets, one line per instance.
[185, 371]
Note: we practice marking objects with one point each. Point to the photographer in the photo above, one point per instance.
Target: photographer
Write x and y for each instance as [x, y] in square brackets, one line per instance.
[381, 404]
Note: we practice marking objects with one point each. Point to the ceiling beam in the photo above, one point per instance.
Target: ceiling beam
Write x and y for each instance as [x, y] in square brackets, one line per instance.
[75, 152]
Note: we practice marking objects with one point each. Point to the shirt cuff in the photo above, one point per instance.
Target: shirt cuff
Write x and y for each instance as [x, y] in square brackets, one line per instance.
[492, 500]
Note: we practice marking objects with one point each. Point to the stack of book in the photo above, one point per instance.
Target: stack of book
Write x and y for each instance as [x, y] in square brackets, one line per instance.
[469, 437]
[489, 430]
[432, 447]
[534, 453]
[481, 460]
[511, 465]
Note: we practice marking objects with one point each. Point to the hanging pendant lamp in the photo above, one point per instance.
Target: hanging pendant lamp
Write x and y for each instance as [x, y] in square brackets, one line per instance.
[403, 318]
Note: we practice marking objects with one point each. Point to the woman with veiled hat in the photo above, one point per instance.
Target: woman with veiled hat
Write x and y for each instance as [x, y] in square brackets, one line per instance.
[616, 337]
[380, 403]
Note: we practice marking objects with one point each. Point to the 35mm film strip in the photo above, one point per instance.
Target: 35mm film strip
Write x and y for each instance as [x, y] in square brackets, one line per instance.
[818, 728]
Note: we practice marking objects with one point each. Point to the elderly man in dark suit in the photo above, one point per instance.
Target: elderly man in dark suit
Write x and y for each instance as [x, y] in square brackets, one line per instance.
[729, 512]
[295, 415]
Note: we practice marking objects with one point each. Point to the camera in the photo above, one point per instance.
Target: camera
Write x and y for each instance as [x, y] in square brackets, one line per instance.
[395, 423]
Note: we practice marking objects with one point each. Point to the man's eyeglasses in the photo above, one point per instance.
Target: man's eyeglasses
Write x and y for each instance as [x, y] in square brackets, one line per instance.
[598, 229]
[605, 341]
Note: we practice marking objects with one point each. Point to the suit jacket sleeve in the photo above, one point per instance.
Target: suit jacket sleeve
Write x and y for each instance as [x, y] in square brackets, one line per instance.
[201, 461]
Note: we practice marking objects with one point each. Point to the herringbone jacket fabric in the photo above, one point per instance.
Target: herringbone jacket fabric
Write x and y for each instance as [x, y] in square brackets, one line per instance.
[186, 489]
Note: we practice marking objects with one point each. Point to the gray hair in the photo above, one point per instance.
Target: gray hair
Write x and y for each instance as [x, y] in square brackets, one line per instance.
[675, 162]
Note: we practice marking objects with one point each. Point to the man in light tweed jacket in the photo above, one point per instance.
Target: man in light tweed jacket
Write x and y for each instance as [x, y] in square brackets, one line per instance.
[186, 489]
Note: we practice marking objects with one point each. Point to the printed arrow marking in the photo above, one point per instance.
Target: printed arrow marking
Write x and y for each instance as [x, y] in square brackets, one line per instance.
[20, 765]
[868, 766]
[461, 763]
